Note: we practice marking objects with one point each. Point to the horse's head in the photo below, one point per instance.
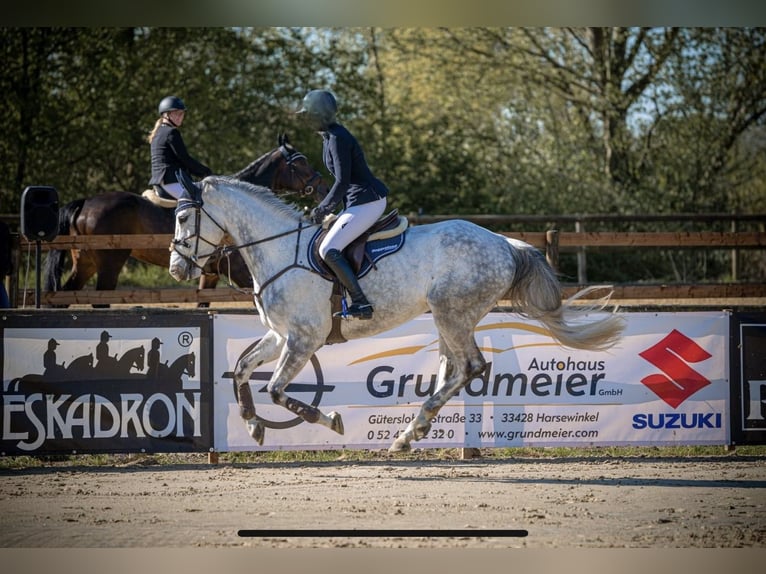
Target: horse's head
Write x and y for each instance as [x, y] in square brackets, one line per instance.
[191, 361]
[138, 363]
[285, 170]
[197, 235]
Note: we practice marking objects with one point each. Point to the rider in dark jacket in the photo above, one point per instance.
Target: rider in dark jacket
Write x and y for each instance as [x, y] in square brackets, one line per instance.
[169, 153]
[363, 195]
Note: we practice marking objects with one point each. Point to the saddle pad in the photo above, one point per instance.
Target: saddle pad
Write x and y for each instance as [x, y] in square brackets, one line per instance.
[375, 251]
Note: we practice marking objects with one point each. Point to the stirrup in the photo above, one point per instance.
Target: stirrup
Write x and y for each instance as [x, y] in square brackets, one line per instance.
[363, 311]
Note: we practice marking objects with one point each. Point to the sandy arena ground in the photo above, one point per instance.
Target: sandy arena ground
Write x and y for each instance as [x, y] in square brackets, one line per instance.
[600, 502]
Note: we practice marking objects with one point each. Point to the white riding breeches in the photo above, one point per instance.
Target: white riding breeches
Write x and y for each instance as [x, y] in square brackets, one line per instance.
[352, 222]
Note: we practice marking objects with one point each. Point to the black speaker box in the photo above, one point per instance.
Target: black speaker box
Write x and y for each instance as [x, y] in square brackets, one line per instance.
[40, 213]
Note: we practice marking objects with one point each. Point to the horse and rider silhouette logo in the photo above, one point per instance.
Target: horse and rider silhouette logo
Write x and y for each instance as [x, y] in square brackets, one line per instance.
[113, 366]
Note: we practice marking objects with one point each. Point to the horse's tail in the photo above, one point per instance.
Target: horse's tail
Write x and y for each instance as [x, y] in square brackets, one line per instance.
[536, 293]
[54, 263]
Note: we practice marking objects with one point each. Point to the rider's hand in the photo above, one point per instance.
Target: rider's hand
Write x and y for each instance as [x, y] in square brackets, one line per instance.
[317, 215]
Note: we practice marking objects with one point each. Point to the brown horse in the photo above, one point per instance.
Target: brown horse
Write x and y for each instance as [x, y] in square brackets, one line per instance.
[284, 170]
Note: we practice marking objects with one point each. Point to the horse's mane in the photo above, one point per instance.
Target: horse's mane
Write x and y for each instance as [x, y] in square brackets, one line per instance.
[263, 194]
[253, 169]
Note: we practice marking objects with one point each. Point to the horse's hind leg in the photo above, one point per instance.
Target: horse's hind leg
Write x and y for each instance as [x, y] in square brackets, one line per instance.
[109, 268]
[106, 263]
[456, 369]
[83, 268]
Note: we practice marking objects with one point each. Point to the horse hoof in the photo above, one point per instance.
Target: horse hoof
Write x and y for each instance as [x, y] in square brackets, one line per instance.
[336, 422]
[400, 446]
[422, 431]
[256, 430]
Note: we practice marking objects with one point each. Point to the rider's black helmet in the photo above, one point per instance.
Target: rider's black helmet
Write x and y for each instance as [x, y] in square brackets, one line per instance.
[171, 103]
[320, 107]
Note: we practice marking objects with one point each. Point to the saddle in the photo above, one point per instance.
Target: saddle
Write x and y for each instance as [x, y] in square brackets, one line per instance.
[389, 225]
[160, 197]
[386, 237]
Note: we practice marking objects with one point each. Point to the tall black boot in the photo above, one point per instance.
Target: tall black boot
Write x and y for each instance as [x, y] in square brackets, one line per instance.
[359, 307]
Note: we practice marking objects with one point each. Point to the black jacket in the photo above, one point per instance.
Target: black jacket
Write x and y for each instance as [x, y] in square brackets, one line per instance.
[344, 159]
[169, 154]
[6, 261]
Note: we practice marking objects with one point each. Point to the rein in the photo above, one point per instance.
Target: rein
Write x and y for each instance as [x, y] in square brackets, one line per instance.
[293, 265]
[225, 251]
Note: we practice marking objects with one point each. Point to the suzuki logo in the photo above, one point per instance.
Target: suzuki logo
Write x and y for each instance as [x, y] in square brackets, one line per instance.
[672, 356]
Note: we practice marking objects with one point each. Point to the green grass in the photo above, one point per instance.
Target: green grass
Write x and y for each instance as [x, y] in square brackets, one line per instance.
[328, 456]
[134, 274]
[137, 274]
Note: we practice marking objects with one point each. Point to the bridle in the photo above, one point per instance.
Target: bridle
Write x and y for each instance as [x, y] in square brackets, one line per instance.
[307, 187]
[199, 209]
[307, 184]
[227, 250]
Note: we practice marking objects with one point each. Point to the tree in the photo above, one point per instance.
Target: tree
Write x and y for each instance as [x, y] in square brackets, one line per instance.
[80, 102]
[463, 120]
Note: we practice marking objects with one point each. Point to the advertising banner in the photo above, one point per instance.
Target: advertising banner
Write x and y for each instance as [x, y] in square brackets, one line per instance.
[748, 373]
[105, 382]
[665, 383]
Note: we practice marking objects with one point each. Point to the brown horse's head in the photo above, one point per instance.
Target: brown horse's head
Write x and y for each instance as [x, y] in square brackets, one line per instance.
[285, 170]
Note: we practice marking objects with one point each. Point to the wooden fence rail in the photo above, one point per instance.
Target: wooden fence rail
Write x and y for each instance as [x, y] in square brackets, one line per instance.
[552, 242]
[603, 239]
[644, 294]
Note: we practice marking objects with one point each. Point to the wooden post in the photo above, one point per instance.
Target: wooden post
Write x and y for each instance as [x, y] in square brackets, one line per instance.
[13, 280]
[552, 248]
[734, 254]
[469, 453]
[582, 275]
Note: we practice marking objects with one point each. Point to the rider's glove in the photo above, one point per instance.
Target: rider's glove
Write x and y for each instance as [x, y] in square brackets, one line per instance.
[318, 214]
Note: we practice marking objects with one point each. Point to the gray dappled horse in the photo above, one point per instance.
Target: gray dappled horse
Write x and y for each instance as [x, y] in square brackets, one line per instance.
[456, 270]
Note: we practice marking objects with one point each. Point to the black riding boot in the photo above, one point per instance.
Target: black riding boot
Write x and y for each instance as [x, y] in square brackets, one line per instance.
[359, 307]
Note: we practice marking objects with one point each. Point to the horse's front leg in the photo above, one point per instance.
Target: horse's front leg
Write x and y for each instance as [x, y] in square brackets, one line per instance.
[294, 357]
[267, 349]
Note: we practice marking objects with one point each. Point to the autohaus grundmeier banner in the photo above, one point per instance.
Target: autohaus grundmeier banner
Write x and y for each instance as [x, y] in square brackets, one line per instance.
[666, 383]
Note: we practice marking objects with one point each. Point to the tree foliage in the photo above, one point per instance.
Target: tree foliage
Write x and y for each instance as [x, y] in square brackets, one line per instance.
[463, 120]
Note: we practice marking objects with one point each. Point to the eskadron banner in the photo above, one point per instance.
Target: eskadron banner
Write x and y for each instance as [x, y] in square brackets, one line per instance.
[105, 383]
[665, 383]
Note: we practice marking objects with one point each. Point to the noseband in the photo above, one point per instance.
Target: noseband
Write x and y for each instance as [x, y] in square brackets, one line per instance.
[307, 185]
[306, 188]
[192, 259]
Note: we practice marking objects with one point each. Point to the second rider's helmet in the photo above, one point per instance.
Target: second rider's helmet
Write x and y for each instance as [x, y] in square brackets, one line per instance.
[171, 103]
